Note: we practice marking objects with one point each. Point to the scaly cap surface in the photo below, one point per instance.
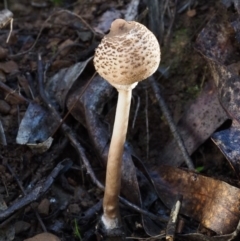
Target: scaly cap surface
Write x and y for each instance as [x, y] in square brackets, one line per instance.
[129, 53]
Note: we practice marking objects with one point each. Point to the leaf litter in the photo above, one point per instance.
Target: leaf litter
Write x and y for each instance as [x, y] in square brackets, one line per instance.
[34, 118]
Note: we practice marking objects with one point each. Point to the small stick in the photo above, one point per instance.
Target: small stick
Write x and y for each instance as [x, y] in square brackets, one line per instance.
[24, 193]
[13, 93]
[147, 125]
[168, 34]
[43, 26]
[5, 4]
[142, 211]
[8, 220]
[136, 112]
[35, 193]
[171, 123]
[172, 224]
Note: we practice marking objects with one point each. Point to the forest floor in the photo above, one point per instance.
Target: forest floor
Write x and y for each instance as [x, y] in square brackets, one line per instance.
[56, 119]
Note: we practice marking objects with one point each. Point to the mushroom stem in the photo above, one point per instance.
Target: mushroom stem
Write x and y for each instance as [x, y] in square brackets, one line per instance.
[113, 176]
[128, 54]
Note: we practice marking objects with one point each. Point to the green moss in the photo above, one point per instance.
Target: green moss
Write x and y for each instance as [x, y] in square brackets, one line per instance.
[57, 2]
[174, 54]
[76, 230]
[193, 91]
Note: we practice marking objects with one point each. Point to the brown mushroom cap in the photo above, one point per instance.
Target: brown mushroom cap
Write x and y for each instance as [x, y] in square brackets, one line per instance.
[128, 54]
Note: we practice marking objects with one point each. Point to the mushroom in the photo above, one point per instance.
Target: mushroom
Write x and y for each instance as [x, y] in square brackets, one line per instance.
[129, 53]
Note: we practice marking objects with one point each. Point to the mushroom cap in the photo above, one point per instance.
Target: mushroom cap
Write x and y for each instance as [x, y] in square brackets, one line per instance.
[129, 53]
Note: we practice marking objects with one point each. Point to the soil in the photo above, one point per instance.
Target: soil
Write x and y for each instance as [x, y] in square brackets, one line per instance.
[70, 205]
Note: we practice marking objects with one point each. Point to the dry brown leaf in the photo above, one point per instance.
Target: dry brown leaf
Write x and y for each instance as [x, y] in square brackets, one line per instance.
[228, 142]
[217, 44]
[214, 203]
[4, 107]
[3, 53]
[9, 67]
[43, 207]
[43, 237]
[191, 13]
[60, 64]
[62, 47]
[53, 42]
[197, 124]
[21, 226]
[2, 76]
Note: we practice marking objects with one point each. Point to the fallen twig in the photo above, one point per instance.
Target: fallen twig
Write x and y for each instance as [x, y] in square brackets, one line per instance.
[12, 92]
[23, 191]
[171, 123]
[44, 25]
[37, 191]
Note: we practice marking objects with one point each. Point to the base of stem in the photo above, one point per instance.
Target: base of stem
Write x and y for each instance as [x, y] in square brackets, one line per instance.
[110, 229]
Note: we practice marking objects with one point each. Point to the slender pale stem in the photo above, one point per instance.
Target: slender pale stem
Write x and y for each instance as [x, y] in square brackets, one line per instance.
[113, 175]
